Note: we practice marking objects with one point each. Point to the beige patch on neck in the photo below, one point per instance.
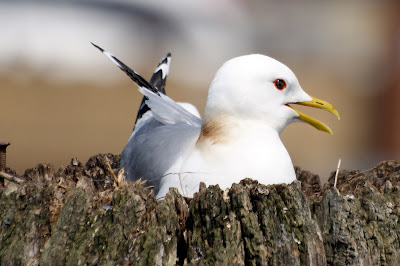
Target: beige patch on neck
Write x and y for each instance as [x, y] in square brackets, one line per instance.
[213, 132]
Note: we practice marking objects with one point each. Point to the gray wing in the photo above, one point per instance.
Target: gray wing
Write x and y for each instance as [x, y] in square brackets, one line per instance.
[169, 112]
[163, 131]
[153, 149]
[150, 154]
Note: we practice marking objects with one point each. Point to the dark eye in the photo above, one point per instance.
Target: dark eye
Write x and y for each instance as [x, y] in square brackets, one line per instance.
[280, 84]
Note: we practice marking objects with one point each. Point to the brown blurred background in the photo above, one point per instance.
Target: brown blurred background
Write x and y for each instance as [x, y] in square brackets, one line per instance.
[61, 98]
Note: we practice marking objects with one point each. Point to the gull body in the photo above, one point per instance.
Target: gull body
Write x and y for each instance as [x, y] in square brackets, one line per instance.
[239, 135]
[247, 108]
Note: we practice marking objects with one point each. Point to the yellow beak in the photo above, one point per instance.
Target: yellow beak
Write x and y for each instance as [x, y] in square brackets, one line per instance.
[321, 104]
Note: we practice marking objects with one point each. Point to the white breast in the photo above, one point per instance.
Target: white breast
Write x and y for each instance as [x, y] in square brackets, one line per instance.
[252, 151]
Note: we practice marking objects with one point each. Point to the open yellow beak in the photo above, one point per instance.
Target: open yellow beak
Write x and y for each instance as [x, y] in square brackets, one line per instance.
[321, 104]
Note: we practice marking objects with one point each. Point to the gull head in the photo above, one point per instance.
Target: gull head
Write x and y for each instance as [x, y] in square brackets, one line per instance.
[259, 87]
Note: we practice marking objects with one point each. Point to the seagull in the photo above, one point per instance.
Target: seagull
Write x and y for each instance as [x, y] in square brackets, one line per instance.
[249, 104]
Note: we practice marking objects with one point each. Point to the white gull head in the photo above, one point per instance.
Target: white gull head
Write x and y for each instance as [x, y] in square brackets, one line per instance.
[255, 87]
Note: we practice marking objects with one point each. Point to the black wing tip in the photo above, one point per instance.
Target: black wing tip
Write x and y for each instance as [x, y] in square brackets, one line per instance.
[165, 60]
[98, 47]
[141, 82]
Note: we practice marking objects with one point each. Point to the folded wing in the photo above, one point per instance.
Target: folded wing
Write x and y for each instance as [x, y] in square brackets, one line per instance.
[163, 131]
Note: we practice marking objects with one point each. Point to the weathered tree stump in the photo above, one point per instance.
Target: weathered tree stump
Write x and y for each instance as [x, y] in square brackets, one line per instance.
[88, 215]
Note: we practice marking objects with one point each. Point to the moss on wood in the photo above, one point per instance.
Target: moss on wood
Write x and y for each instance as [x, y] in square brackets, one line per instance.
[85, 215]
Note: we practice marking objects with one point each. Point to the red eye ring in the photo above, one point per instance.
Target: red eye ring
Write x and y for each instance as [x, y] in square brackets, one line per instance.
[280, 84]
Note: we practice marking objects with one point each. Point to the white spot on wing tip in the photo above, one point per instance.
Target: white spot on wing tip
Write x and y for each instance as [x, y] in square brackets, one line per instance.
[164, 68]
[111, 57]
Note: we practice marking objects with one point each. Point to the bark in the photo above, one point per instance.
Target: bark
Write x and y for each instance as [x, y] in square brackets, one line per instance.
[88, 215]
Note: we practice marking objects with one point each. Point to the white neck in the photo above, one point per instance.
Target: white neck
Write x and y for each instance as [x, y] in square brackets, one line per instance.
[224, 130]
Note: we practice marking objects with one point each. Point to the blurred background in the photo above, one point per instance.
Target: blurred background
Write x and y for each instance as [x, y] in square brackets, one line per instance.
[61, 98]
